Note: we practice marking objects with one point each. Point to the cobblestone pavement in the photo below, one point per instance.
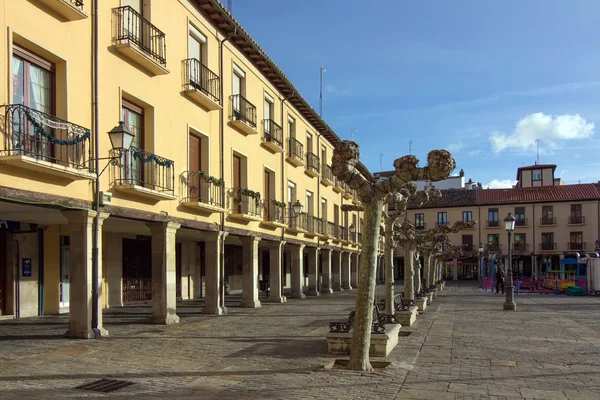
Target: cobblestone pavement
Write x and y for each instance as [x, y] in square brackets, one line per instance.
[463, 347]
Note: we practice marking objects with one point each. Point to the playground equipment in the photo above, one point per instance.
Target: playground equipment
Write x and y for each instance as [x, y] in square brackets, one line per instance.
[567, 276]
[594, 276]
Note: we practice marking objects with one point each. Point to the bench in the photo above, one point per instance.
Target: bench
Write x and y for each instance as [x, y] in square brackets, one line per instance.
[377, 326]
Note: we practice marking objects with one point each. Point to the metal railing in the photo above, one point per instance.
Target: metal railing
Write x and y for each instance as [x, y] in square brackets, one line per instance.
[422, 226]
[467, 247]
[243, 110]
[142, 168]
[492, 224]
[548, 246]
[332, 230]
[32, 133]
[246, 204]
[548, 221]
[521, 222]
[130, 26]
[198, 188]
[576, 245]
[197, 76]
[274, 212]
[298, 221]
[312, 162]
[494, 247]
[341, 184]
[315, 225]
[576, 220]
[327, 173]
[295, 149]
[521, 247]
[352, 237]
[343, 233]
[273, 132]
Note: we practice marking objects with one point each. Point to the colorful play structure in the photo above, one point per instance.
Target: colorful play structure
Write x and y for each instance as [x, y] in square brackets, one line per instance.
[575, 276]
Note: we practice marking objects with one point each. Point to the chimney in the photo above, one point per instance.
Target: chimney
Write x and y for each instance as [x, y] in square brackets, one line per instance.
[462, 173]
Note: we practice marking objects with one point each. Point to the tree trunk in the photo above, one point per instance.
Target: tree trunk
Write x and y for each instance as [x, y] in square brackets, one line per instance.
[409, 259]
[426, 268]
[365, 295]
[417, 276]
[389, 268]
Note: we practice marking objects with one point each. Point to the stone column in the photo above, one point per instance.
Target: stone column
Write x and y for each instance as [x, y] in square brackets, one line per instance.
[214, 303]
[455, 269]
[250, 272]
[417, 275]
[426, 268]
[354, 270]
[80, 288]
[275, 271]
[313, 271]
[114, 269]
[297, 267]
[326, 271]
[345, 255]
[164, 286]
[336, 262]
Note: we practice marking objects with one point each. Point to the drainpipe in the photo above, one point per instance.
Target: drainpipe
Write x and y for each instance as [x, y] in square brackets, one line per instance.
[222, 172]
[40, 233]
[283, 187]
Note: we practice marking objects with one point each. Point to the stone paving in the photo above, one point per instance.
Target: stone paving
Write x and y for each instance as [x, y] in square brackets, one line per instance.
[463, 347]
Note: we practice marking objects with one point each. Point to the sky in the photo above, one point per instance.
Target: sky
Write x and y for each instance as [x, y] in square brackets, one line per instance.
[482, 79]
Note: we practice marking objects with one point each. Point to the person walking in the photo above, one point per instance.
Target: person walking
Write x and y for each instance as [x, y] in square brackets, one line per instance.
[499, 279]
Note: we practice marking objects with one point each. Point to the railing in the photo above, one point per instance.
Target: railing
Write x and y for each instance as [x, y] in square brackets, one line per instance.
[548, 221]
[576, 220]
[197, 76]
[342, 185]
[548, 246]
[576, 245]
[521, 247]
[198, 187]
[273, 132]
[312, 162]
[328, 173]
[360, 237]
[32, 133]
[298, 221]
[343, 233]
[353, 237]
[494, 247]
[142, 168]
[440, 224]
[295, 149]
[274, 212]
[243, 110]
[521, 222]
[130, 26]
[246, 203]
[491, 224]
[422, 226]
[332, 230]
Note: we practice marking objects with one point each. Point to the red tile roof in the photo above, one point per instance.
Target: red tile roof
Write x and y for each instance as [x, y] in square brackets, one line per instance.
[584, 191]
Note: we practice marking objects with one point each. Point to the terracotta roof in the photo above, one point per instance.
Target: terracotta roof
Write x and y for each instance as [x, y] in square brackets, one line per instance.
[584, 191]
[450, 198]
[216, 12]
[535, 166]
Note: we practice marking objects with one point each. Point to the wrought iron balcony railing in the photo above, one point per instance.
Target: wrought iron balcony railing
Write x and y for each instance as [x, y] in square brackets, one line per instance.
[247, 202]
[343, 233]
[315, 225]
[492, 224]
[332, 230]
[575, 220]
[494, 247]
[142, 168]
[548, 221]
[521, 247]
[295, 149]
[328, 174]
[521, 222]
[576, 245]
[352, 237]
[548, 246]
[298, 221]
[197, 76]
[199, 187]
[312, 162]
[130, 26]
[32, 133]
[274, 212]
[273, 133]
[243, 110]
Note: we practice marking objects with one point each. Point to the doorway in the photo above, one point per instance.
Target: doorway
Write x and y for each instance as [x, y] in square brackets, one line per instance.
[65, 271]
[3, 261]
[137, 270]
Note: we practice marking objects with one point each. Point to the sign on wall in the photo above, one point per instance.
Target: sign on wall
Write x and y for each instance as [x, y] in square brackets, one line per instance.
[26, 266]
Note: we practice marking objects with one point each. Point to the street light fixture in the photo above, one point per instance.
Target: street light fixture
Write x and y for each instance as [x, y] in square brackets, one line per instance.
[120, 137]
[509, 304]
[297, 207]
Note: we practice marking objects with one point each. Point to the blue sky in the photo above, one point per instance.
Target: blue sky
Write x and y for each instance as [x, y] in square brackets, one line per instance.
[482, 79]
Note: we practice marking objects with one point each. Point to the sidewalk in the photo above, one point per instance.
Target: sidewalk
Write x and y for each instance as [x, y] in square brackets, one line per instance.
[463, 347]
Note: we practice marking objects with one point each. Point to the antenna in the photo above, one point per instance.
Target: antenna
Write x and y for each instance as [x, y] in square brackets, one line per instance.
[381, 162]
[410, 148]
[353, 133]
[229, 5]
[537, 142]
[321, 91]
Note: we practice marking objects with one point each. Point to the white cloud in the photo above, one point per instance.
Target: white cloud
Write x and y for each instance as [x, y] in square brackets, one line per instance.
[550, 129]
[455, 147]
[500, 184]
[335, 91]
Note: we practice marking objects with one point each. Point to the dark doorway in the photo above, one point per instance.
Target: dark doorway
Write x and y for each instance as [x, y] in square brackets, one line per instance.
[3, 262]
[178, 271]
[137, 270]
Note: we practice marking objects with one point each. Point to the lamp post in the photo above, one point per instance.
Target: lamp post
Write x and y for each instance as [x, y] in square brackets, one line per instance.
[480, 254]
[297, 207]
[120, 140]
[509, 304]
[352, 231]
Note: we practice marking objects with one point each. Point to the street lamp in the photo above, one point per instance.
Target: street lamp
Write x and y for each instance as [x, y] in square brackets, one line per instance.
[480, 253]
[297, 207]
[352, 230]
[509, 304]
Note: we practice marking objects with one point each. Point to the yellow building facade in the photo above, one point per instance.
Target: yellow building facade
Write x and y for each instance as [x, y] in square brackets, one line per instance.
[226, 187]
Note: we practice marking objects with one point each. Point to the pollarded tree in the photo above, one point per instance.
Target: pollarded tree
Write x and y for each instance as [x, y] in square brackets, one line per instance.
[448, 251]
[371, 195]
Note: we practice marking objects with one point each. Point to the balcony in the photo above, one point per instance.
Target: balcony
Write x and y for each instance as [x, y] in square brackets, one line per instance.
[548, 246]
[275, 214]
[440, 224]
[45, 144]
[327, 178]
[520, 247]
[71, 10]
[246, 205]
[312, 164]
[273, 136]
[298, 223]
[344, 234]
[421, 227]
[339, 186]
[492, 224]
[348, 193]
[143, 174]
[494, 247]
[295, 152]
[202, 191]
[137, 39]
[314, 225]
[332, 231]
[201, 84]
[353, 237]
[576, 220]
[548, 221]
[360, 236]
[576, 245]
[521, 222]
[243, 115]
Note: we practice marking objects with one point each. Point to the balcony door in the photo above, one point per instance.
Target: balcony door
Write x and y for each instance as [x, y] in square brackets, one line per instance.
[269, 209]
[195, 183]
[237, 90]
[237, 179]
[132, 166]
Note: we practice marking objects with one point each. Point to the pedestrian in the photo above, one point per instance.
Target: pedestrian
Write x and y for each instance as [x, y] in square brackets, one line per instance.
[499, 279]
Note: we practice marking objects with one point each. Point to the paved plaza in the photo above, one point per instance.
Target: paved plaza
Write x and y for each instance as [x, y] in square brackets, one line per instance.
[463, 347]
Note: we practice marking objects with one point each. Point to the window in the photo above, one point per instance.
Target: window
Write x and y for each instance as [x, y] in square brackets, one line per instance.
[309, 142]
[291, 127]
[520, 242]
[419, 221]
[133, 117]
[547, 215]
[548, 241]
[467, 216]
[576, 242]
[467, 242]
[268, 111]
[442, 219]
[238, 89]
[324, 155]
[520, 216]
[324, 210]
[492, 217]
[309, 204]
[493, 241]
[196, 45]
[336, 215]
[536, 175]
[576, 214]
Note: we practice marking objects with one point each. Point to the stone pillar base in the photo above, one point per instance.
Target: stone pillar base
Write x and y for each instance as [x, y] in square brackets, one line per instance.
[85, 333]
[429, 297]
[326, 291]
[347, 287]
[421, 304]
[251, 303]
[313, 292]
[298, 296]
[165, 319]
[214, 310]
[278, 299]
[408, 317]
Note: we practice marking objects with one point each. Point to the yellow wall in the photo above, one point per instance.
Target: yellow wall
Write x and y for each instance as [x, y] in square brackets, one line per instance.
[52, 269]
